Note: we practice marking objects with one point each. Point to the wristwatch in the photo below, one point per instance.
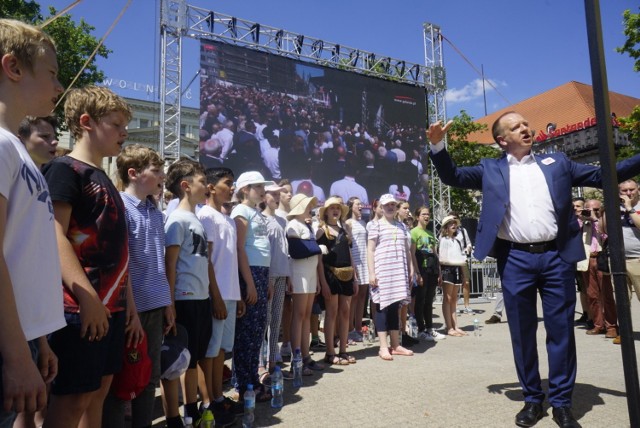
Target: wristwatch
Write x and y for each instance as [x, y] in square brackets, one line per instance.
[632, 211]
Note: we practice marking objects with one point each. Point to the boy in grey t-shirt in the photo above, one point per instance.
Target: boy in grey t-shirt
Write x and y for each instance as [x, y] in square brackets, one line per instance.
[190, 276]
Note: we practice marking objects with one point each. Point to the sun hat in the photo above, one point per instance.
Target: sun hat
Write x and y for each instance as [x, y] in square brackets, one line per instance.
[448, 219]
[387, 198]
[251, 177]
[174, 355]
[273, 188]
[299, 204]
[334, 201]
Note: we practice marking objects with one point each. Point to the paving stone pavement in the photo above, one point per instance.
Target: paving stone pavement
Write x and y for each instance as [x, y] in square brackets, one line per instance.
[457, 382]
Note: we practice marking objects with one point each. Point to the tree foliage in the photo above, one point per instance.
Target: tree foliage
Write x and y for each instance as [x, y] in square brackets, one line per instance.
[631, 123]
[73, 40]
[631, 46]
[467, 153]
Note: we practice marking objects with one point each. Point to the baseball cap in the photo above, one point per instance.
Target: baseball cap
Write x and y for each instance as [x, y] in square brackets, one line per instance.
[174, 355]
[387, 198]
[252, 177]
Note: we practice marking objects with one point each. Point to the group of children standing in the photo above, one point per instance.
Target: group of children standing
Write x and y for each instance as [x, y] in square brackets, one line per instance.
[111, 270]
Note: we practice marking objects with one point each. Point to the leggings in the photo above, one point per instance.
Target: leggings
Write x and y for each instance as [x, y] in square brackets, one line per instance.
[424, 301]
[388, 318]
[274, 317]
[250, 332]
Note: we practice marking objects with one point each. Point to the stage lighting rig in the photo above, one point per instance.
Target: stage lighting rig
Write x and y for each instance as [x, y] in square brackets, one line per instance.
[255, 33]
[298, 43]
[233, 27]
[316, 48]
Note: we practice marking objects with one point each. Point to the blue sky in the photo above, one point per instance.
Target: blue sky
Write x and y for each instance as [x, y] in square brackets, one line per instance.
[525, 46]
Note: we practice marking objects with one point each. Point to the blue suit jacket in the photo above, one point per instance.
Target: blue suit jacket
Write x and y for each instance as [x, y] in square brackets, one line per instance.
[561, 174]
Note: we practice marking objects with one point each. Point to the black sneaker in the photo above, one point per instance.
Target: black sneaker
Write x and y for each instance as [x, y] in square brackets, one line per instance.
[408, 341]
[228, 406]
[223, 419]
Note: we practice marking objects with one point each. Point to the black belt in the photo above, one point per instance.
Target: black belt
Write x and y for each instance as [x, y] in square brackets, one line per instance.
[535, 248]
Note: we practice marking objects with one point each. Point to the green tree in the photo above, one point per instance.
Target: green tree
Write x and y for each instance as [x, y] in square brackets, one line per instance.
[73, 40]
[631, 123]
[467, 153]
[631, 46]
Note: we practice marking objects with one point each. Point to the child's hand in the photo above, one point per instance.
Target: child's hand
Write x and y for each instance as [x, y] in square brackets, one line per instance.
[219, 309]
[326, 291]
[22, 384]
[133, 329]
[240, 309]
[47, 361]
[373, 281]
[170, 320]
[94, 317]
[252, 294]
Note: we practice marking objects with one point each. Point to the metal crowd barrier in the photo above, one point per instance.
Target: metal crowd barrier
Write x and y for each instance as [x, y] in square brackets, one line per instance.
[485, 282]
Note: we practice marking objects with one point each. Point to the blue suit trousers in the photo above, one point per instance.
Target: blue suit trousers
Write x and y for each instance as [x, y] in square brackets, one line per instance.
[524, 275]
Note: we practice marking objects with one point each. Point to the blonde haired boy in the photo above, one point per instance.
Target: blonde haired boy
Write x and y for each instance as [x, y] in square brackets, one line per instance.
[92, 239]
[30, 297]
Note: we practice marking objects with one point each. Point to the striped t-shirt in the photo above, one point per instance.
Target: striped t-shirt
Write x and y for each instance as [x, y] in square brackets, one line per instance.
[390, 262]
[146, 253]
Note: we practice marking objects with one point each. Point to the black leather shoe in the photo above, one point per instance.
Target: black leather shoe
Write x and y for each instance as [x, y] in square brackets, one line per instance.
[530, 414]
[564, 418]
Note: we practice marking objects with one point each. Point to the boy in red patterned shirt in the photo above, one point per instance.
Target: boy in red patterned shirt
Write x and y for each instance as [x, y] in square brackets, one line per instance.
[93, 244]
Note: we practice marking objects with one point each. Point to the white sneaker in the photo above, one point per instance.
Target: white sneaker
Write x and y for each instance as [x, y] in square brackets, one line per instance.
[434, 336]
[285, 350]
[467, 310]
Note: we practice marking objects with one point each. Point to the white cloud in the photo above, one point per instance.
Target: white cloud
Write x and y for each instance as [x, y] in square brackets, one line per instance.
[470, 91]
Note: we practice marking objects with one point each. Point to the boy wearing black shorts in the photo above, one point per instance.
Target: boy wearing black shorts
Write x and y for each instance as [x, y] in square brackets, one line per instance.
[191, 280]
[91, 231]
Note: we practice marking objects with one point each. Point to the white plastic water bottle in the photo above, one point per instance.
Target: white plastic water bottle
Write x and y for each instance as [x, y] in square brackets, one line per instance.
[476, 327]
[277, 389]
[365, 336]
[296, 363]
[413, 327]
[372, 334]
[188, 422]
[249, 407]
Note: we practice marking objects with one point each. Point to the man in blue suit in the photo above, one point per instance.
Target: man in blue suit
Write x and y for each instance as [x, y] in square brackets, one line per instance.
[528, 224]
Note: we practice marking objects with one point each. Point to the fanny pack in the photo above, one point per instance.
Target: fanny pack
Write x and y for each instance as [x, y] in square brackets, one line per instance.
[344, 274]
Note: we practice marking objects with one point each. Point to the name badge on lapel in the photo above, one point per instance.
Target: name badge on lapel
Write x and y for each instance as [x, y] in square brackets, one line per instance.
[548, 161]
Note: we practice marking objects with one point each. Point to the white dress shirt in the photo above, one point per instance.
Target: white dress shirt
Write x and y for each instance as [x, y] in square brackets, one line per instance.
[530, 217]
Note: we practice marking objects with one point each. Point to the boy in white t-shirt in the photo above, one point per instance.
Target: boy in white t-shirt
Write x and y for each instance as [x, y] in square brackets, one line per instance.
[222, 241]
[30, 299]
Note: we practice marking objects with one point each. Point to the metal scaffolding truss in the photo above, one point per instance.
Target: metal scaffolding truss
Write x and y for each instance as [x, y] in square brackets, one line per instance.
[435, 78]
[178, 19]
[208, 24]
[172, 29]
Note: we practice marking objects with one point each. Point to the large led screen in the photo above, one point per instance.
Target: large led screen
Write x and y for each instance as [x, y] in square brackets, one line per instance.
[328, 131]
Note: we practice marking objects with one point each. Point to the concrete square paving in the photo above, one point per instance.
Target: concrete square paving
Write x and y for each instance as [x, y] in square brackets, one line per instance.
[457, 382]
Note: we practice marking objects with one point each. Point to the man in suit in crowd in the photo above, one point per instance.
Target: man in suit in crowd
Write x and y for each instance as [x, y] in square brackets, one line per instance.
[528, 224]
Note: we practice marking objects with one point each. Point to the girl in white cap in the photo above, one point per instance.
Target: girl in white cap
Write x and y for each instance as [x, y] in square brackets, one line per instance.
[254, 259]
[390, 267]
